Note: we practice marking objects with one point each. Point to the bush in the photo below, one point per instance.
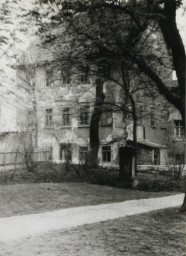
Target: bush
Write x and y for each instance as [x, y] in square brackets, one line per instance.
[159, 185]
[44, 172]
[53, 172]
[101, 176]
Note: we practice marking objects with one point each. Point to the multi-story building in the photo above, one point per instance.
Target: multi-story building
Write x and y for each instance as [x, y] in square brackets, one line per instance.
[60, 103]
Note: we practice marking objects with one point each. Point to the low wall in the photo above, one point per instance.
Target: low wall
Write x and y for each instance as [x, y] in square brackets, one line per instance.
[160, 169]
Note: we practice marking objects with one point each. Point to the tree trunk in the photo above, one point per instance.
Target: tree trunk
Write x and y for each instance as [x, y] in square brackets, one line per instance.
[94, 123]
[178, 54]
[35, 124]
[134, 132]
[183, 207]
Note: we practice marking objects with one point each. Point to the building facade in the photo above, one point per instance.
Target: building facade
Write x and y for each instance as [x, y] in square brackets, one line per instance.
[60, 104]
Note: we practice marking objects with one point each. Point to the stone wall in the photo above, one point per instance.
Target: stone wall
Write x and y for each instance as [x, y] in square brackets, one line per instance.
[144, 156]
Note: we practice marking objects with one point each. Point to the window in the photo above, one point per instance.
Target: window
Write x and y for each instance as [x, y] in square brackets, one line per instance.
[106, 153]
[156, 156]
[48, 116]
[83, 75]
[163, 120]
[48, 77]
[140, 110]
[179, 158]
[178, 129]
[104, 71]
[66, 75]
[30, 120]
[84, 114]
[140, 113]
[83, 153]
[152, 118]
[66, 116]
[66, 152]
[106, 118]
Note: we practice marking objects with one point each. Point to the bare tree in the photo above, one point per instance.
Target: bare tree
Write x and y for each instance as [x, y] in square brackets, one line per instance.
[128, 30]
[26, 82]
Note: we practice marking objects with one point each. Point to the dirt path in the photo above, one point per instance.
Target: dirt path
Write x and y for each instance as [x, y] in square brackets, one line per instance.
[19, 227]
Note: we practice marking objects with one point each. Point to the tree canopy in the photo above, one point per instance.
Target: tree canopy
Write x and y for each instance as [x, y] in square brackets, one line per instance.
[138, 32]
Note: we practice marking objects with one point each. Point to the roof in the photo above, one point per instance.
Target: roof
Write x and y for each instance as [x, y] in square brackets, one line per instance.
[36, 55]
[150, 144]
[142, 143]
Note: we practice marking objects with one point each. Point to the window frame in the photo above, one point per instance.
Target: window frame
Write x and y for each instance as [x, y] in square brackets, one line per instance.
[178, 129]
[49, 73]
[180, 160]
[105, 117]
[65, 152]
[30, 117]
[48, 117]
[66, 120]
[106, 154]
[104, 71]
[84, 113]
[83, 153]
[152, 117]
[66, 75]
[83, 75]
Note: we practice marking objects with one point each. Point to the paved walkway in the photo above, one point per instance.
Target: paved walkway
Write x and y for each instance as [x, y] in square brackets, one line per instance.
[17, 227]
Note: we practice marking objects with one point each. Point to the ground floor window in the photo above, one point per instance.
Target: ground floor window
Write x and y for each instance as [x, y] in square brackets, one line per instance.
[179, 158]
[66, 152]
[83, 153]
[106, 153]
[156, 156]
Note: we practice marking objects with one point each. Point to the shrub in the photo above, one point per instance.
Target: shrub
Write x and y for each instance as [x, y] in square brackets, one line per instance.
[159, 185]
[101, 176]
[53, 172]
[44, 172]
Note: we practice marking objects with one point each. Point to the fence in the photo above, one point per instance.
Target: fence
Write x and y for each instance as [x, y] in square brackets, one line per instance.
[12, 158]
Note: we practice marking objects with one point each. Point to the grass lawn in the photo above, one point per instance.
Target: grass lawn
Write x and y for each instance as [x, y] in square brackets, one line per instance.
[156, 233]
[18, 199]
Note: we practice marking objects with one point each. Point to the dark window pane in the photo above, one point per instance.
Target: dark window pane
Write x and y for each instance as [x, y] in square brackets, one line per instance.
[83, 75]
[106, 118]
[66, 116]
[49, 117]
[84, 114]
[66, 75]
[83, 152]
